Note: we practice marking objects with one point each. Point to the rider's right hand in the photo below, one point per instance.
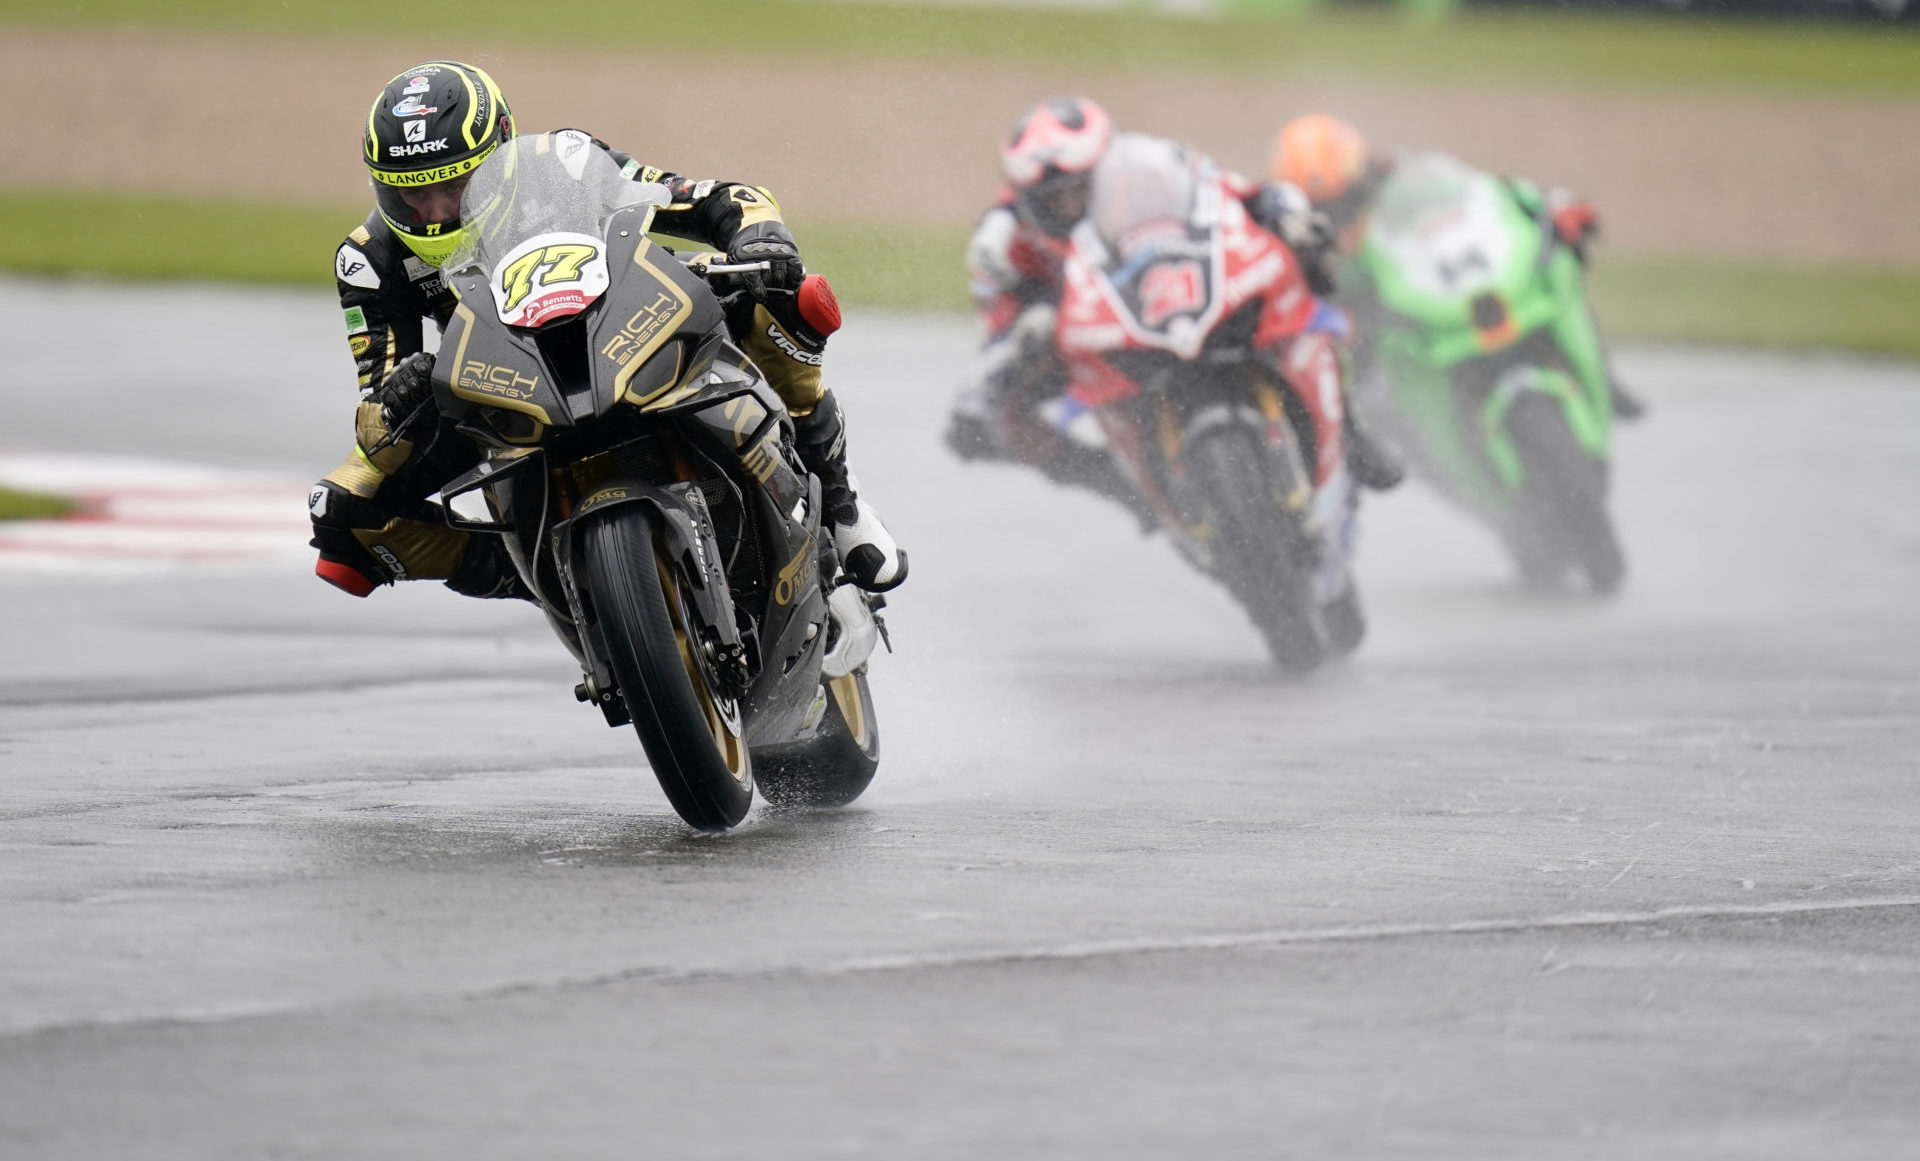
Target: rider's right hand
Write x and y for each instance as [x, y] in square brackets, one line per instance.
[1575, 221]
[405, 388]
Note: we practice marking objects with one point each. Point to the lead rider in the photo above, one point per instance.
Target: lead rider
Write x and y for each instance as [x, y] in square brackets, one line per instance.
[428, 130]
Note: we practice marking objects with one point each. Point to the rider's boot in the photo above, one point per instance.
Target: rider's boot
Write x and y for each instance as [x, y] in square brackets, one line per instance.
[1079, 466]
[867, 551]
[971, 432]
[363, 547]
[485, 570]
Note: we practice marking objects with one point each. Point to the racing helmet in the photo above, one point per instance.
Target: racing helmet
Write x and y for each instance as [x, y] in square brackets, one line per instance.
[1046, 159]
[1329, 161]
[426, 133]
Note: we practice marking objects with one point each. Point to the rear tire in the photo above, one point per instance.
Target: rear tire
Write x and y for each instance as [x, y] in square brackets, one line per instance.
[1260, 549]
[692, 736]
[836, 765]
[1564, 523]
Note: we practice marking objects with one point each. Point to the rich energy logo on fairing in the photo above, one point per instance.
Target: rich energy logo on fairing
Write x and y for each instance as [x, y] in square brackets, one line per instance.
[490, 379]
[637, 331]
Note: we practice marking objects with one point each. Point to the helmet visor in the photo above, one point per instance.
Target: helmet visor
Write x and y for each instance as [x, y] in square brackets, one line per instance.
[423, 209]
[1056, 202]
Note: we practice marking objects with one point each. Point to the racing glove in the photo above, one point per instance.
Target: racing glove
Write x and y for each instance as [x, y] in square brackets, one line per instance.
[784, 269]
[1309, 233]
[405, 388]
[1575, 221]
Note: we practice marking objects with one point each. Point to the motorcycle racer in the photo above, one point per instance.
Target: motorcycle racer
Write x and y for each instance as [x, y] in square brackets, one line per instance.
[1014, 262]
[428, 130]
[1331, 162]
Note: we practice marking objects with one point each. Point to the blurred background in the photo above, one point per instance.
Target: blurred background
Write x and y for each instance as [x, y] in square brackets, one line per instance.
[1753, 160]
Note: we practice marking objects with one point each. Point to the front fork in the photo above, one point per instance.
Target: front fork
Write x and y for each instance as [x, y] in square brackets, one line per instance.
[729, 658]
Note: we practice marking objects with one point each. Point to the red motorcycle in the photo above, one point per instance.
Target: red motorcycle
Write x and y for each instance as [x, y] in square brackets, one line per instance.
[1216, 377]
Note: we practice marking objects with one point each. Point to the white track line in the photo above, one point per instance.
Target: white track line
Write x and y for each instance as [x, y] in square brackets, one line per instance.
[1063, 953]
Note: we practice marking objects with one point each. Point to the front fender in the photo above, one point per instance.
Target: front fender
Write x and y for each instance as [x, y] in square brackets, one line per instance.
[690, 542]
[1589, 427]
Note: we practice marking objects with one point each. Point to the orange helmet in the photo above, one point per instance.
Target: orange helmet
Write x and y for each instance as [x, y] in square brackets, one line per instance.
[1321, 154]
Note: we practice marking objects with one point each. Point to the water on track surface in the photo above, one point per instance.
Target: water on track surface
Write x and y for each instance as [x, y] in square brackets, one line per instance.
[281, 871]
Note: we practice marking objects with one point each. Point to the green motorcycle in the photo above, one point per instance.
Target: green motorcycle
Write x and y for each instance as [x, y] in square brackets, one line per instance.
[1480, 356]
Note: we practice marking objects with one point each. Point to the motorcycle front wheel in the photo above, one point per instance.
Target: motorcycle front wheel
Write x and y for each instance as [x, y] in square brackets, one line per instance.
[692, 735]
[1260, 549]
[1564, 519]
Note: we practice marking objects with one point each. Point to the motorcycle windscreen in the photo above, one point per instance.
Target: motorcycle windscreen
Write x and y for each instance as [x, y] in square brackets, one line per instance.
[534, 218]
[1443, 235]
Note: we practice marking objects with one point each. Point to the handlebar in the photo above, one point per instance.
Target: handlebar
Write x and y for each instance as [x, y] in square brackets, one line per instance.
[696, 263]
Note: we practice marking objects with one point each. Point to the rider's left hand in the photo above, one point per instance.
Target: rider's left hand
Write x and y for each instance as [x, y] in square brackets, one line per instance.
[784, 269]
[1575, 222]
[405, 388]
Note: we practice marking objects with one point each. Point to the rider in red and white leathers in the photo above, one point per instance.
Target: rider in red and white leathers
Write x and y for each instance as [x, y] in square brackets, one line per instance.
[1014, 410]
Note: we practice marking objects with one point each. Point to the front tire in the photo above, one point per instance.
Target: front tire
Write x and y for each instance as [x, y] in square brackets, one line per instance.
[833, 767]
[1564, 523]
[692, 736]
[1261, 551]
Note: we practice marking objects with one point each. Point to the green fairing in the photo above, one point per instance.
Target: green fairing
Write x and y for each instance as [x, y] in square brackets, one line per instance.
[1440, 236]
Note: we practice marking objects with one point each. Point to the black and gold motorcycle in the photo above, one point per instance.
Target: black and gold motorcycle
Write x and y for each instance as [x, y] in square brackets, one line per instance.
[642, 475]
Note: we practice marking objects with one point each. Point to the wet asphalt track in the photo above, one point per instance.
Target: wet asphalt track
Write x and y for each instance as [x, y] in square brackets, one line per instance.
[284, 874]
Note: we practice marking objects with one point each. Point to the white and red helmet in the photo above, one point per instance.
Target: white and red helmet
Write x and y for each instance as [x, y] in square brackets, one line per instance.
[1047, 156]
